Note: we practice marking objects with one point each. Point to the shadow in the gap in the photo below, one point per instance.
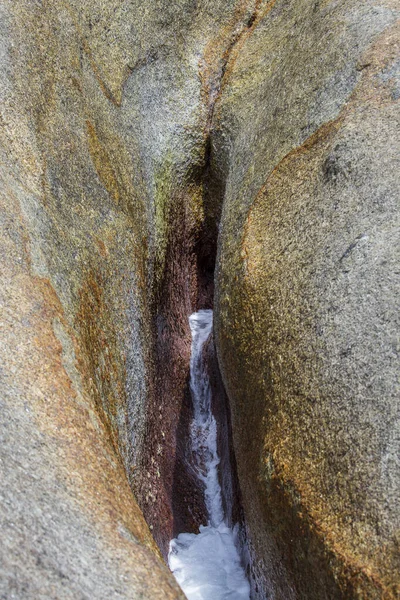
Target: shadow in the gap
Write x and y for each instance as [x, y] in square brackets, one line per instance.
[188, 506]
[220, 407]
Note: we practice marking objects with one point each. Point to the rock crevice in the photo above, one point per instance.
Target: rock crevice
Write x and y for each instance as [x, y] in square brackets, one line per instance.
[152, 154]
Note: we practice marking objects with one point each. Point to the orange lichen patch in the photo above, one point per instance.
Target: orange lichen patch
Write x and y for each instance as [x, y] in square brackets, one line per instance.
[367, 574]
[102, 248]
[83, 460]
[83, 447]
[352, 574]
[30, 308]
[371, 575]
[104, 367]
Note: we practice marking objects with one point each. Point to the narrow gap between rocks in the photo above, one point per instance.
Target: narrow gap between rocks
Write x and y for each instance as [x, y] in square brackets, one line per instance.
[207, 552]
[207, 564]
[194, 506]
[173, 488]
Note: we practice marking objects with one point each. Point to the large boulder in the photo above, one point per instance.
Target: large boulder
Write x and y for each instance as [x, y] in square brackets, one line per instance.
[70, 527]
[128, 130]
[306, 149]
[104, 112]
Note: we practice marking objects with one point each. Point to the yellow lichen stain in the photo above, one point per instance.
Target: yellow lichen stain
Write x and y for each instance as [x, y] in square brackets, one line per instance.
[102, 248]
[103, 164]
[359, 571]
[104, 368]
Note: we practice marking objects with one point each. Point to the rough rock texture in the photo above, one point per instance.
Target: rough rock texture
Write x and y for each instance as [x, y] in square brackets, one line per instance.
[103, 120]
[127, 130]
[70, 527]
[76, 327]
[105, 117]
[306, 146]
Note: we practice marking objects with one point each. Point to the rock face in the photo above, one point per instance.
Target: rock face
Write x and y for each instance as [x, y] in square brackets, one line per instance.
[128, 131]
[306, 143]
[70, 526]
[77, 330]
[106, 111]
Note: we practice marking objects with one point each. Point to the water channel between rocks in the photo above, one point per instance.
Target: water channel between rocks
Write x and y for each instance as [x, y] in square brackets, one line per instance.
[207, 565]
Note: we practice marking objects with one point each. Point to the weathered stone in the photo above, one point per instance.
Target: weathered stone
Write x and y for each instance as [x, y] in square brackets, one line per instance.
[128, 128]
[102, 114]
[70, 527]
[106, 111]
[306, 143]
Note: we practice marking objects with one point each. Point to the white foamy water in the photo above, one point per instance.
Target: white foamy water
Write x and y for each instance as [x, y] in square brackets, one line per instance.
[207, 565]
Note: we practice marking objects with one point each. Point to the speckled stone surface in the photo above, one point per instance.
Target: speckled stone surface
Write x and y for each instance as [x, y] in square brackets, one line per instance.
[306, 140]
[127, 129]
[105, 114]
[100, 116]
[72, 340]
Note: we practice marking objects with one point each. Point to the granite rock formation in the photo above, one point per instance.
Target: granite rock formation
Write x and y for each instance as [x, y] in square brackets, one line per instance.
[138, 142]
[306, 142]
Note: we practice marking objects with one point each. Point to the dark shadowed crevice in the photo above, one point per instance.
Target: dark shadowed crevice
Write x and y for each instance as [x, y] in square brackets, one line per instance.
[188, 505]
[168, 491]
[207, 242]
[170, 494]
